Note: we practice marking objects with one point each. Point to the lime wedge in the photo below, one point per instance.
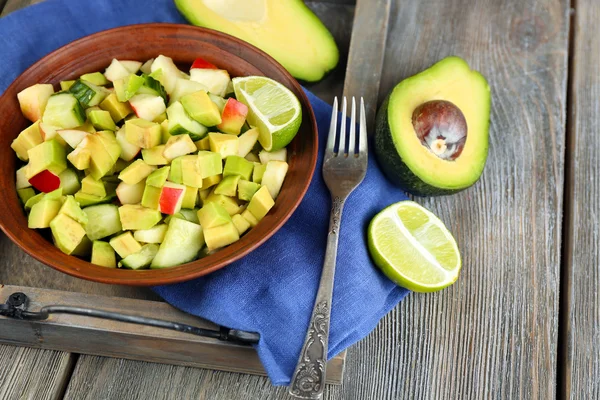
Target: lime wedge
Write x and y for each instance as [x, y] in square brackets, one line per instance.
[413, 248]
[272, 108]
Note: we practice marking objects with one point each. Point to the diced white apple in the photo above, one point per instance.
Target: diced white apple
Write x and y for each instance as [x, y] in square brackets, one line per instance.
[131, 194]
[147, 106]
[216, 80]
[146, 67]
[183, 87]
[22, 181]
[72, 136]
[156, 234]
[128, 150]
[274, 176]
[33, 99]
[178, 145]
[48, 131]
[170, 72]
[131, 66]
[247, 141]
[116, 71]
[171, 197]
[266, 156]
[252, 157]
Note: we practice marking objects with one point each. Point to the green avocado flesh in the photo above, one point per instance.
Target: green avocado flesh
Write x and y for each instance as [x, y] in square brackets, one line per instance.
[286, 30]
[401, 154]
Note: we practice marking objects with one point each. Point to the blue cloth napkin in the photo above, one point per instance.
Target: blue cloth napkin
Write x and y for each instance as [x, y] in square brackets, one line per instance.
[272, 290]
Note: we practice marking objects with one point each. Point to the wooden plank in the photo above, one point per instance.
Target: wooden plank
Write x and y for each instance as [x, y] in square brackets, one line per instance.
[580, 332]
[33, 374]
[494, 333]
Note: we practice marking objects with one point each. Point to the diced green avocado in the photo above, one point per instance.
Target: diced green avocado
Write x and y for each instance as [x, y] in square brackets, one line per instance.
[180, 123]
[42, 213]
[203, 144]
[142, 258]
[97, 78]
[219, 101]
[84, 249]
[160, 119]
[72, 209]
[248, 216]
[67, 233]
[49, 156]
[228, 186]
[181, 244]
[175, 173]
[33, 200]
[201, 108]
[261, 203]
[190, 215]
[177, 215]
[189, 197]
[247, 189]
[27, 193]
[134, 217]
[102, 120]
[65, 85]
[86, 200]
[258, 172]
[213, 214]
[154, 155]
[135, 172]
[151, 197]
[87, 126]
[204, 193]
[209, 164]
[54, 195]
[119, 166]
[221, 235]
[125, 244]
[158, 177]
[156, 234]
[190, 173]
[240, 223]
[236, 165]
[229, 203]
[224, 144]
[27, 139]
[103, 254]
[69, 181]
[164, 132]
[80, 158]
[211, 181]
[117, 110]
[253, 158]
[178, 145]
[101, 161]
[126, 88]
[21, 178]
[274, 27]
[142, 133]
[89, 185]
[103, 221]
[428, 161]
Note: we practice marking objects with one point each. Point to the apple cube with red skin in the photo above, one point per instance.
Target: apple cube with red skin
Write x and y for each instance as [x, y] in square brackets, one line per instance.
[233, 117]
[203, 64]
[171, 197]
[45, 181]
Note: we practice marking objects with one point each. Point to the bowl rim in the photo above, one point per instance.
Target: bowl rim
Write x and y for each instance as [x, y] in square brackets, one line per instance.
[129, 277]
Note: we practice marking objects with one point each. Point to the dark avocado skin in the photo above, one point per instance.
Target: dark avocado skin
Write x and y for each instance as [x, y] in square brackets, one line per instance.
[392, 164]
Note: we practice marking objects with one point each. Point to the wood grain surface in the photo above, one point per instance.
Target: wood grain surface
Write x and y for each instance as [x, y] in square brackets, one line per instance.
[581, 307]
[494, 333]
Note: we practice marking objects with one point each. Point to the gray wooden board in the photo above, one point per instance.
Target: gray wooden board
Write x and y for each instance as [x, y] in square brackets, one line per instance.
[494, 333]
[581, 334]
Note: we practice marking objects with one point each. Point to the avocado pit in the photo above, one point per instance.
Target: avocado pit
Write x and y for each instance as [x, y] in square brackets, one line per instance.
[441, 127]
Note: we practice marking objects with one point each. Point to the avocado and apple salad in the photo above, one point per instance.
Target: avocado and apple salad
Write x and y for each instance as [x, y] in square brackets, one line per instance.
[432, 130]
[144, 165]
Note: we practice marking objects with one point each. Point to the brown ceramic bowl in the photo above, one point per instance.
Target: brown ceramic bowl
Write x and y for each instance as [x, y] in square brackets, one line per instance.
[142, 42]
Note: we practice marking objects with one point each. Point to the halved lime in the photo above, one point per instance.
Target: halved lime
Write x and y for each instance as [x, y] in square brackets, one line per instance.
[413, 248]
[272, 108]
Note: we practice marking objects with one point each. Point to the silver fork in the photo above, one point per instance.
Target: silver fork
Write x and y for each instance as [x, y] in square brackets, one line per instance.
[343, 171]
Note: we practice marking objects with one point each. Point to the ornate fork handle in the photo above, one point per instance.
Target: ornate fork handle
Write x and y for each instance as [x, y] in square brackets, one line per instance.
[308, 380]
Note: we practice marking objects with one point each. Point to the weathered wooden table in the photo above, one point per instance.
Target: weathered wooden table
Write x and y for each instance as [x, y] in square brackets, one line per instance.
[522, 321]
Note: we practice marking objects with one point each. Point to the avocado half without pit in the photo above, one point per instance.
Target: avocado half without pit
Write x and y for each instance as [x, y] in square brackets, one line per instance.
[432, 130]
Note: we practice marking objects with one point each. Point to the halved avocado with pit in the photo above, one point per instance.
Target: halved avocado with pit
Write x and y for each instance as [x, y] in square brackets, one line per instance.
[432, 130]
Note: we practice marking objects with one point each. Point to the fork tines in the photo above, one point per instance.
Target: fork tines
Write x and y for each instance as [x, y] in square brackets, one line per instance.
[342, 142]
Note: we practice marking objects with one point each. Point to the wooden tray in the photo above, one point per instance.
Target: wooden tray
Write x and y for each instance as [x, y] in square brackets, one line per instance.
[77, 334]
